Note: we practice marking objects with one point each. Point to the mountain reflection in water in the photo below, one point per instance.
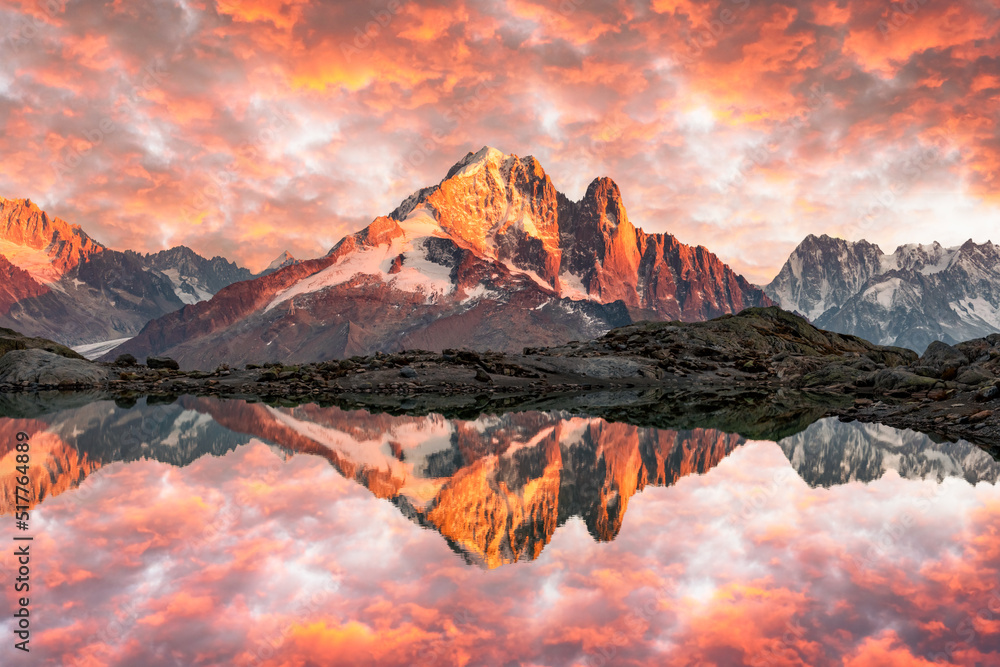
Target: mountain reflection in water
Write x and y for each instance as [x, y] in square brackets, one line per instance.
[201, 531]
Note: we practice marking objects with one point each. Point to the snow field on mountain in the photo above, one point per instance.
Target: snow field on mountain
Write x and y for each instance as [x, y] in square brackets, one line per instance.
[35, 261]
[884, 293]
[94, 350]
[934, 258]
[978, 309]
[418, 273]
[178, 282]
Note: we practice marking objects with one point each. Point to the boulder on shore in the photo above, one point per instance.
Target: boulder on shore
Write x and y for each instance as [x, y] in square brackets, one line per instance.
[125, 360]
[162, 362]
[46, 368]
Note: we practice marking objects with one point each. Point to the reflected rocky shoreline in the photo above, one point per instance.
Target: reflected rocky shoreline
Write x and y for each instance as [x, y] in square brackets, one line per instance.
[763, 373]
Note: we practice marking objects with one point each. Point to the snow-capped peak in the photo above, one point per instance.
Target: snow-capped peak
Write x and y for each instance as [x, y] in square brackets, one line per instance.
[822, 273]
[281, 261]
[926, 259]
[917, 294]
[474, 162]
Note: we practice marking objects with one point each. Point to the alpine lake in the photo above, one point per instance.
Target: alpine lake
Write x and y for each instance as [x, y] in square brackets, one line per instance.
[207, 531]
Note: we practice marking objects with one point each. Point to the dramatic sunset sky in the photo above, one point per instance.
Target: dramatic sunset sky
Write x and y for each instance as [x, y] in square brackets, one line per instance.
[244, 127]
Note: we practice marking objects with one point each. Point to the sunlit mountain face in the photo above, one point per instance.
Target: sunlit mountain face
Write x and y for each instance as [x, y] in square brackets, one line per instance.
[205, 532]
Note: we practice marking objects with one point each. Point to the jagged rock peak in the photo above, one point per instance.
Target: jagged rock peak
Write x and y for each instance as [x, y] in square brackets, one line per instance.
[823, 272]
[487, 155]
[603, 187]
[47, 247]
[24, 216]
[605, 199]
[488, 159]
[506, 208]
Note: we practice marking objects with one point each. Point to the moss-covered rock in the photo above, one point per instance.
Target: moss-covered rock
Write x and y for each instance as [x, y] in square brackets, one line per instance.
[12, 340]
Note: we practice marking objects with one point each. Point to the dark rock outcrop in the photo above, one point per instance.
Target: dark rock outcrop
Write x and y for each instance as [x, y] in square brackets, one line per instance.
[162, 362]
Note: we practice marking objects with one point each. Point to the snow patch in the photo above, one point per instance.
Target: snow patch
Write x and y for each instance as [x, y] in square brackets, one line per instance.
[476, 293]
[94, 350]
[527, 224]
[574, 431]
[482, 157]
[517, 445]
[179, 282]
[421, 221]
[367, 261]
[528, 272]
[186, 423]
[572, 287]
[485, 422]
[419, 274]
[977, 310]
[883, 293]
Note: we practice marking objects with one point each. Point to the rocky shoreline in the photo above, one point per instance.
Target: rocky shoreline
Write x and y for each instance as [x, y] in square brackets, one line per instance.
[752, 371]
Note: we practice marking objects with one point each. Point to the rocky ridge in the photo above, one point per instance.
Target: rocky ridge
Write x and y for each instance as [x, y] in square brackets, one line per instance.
[760, 372]
[12, 340]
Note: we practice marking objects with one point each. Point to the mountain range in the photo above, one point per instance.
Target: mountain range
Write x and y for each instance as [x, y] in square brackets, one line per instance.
[493, 257]
[57, 282]
[910, 298]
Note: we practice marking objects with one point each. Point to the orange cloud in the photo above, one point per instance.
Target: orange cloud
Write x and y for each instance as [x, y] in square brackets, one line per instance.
[281, 13]
[668, 100]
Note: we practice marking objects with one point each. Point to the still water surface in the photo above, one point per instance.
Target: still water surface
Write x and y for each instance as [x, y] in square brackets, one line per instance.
[208, 532]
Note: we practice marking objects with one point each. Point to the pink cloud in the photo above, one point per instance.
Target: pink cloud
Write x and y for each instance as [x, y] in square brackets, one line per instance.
[666, 100]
